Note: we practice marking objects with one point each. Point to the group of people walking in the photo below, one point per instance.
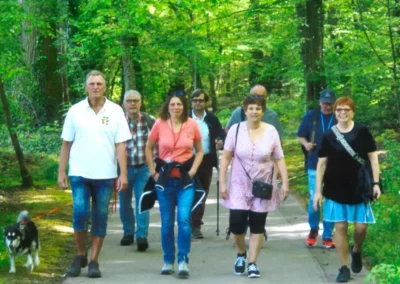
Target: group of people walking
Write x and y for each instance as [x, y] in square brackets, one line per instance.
[175, 155]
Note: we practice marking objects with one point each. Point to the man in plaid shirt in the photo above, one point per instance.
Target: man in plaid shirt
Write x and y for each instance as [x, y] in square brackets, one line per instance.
[140, 124]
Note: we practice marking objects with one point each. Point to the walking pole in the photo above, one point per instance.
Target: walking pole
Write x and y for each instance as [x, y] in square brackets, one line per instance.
[218, 201]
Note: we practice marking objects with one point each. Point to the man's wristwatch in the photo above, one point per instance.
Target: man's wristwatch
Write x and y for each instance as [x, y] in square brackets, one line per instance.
[375, 183]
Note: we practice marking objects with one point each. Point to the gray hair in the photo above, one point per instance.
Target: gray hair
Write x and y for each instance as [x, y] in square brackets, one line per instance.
[95, 73]
[132, 92]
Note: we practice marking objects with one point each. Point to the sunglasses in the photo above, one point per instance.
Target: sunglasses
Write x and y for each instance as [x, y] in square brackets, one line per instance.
[198, 100]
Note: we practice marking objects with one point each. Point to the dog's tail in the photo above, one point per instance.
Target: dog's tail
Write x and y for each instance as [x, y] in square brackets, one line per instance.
[23, 216]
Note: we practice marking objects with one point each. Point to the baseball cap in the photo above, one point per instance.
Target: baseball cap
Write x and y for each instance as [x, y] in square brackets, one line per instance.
[327, 96]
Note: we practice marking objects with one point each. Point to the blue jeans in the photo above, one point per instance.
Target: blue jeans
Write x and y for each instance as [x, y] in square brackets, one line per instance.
[100, 190]
[137, 179]
[175, 195]
[314, 216]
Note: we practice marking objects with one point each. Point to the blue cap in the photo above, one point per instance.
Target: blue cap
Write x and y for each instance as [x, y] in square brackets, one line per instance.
[327, 96]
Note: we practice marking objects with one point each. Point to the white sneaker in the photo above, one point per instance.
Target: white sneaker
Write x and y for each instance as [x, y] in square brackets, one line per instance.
[167, 269]
[183, 270]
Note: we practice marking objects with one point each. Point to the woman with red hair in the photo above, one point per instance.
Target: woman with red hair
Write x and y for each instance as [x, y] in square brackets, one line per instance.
[337, 173]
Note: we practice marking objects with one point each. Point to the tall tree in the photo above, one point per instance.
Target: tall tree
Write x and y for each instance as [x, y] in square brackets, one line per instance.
[25, 175]
[311, 19]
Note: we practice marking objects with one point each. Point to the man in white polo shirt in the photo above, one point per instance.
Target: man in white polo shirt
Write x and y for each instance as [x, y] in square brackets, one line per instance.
[93, 136]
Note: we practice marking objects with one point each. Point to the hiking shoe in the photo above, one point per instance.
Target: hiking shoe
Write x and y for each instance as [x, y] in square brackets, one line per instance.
[344, 274]
[328, 243]
[253, 271]
[167, 269]
[312, 238]
[356, 261]
[197, 234]
[183, 270]
[240, 265]
[127, 240]
[142, 244]
[94, 271]
[74, 270]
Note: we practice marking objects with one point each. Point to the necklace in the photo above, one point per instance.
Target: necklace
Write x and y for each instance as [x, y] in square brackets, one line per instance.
[173, 136]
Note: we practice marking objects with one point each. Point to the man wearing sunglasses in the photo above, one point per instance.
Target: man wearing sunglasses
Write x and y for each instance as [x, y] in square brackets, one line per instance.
[313, 126]
[213, 136]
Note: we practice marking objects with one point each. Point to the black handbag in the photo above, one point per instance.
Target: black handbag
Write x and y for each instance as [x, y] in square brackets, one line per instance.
[259, 189]
[364, 174]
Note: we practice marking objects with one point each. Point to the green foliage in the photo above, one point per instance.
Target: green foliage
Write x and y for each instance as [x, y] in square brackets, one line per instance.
[384, 273]
[381, 252]
[45, 139]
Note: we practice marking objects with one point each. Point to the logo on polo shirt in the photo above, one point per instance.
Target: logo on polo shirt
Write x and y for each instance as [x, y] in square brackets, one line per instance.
[105, 120]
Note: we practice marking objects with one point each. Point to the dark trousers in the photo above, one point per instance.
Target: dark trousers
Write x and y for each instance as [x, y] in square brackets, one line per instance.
[204, 173]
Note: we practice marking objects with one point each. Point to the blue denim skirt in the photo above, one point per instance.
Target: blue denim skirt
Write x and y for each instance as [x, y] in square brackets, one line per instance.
[351, 213]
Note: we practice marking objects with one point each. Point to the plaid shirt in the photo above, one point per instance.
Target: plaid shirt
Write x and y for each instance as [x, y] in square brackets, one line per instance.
[135, 147]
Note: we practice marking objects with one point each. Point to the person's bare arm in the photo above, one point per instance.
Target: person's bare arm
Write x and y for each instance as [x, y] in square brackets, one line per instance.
[321, 167]
[122, 182]
[197, 158]
[150, 158]
[307, 145]
[373, 158]
[285, 180]
[64, 157]
[226, 159]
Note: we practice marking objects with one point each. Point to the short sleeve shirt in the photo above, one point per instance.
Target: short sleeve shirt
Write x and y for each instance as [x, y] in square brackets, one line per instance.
[340, 178]
[269, 117]
[177, 147]
[306, 128]
[93, 153]
[258, 160]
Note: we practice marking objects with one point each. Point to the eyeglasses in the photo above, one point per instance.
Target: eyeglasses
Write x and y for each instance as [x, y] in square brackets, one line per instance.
[198, 100]
[345, 110]
[132, 101]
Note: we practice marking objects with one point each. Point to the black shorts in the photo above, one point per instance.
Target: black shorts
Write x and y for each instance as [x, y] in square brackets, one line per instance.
[240, 219]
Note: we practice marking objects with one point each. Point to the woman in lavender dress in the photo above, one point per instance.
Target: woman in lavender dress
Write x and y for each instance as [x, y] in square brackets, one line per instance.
[254, 148]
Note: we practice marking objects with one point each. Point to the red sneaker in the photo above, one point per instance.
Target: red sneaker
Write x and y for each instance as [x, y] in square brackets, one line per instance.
[328, 243]
[312, 238]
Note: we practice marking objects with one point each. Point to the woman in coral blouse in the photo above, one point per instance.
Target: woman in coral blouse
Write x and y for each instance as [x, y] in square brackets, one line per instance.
[175, 135]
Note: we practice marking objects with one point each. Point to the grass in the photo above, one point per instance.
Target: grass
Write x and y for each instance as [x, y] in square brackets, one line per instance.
[55, 233]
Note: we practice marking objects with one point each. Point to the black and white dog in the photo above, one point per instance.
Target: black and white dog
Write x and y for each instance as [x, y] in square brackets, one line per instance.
[23, 239]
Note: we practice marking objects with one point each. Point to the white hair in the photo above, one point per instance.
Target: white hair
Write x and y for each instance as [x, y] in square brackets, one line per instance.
[132, 92]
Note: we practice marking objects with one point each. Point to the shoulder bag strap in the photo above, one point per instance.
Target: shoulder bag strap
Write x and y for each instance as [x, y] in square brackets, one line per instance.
[237, 132]
[346, 146]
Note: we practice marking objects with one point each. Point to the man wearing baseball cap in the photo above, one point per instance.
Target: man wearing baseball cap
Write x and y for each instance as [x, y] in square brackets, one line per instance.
[313, 126]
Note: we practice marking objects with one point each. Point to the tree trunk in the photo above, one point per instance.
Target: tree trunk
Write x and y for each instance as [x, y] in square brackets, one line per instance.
[310, 29]
[25, 175]
[49, 79]
[127, 63]
[213, 95]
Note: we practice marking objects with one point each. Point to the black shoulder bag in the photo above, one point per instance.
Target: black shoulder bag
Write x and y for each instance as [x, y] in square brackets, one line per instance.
[260, 189]
[364, 174]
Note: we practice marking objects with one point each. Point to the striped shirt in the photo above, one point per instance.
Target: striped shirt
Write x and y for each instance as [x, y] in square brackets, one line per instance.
[136, 146]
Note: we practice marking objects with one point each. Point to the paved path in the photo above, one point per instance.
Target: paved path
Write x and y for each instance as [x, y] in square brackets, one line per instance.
[283, 259]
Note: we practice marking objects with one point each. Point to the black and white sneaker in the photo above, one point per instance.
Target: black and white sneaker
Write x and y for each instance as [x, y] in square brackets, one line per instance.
[240, 265]
[253, 271]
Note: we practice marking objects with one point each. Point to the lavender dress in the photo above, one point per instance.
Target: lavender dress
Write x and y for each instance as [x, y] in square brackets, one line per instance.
[258, 160]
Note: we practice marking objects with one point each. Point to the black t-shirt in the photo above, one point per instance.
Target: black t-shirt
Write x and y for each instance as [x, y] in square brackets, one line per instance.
[340, 177]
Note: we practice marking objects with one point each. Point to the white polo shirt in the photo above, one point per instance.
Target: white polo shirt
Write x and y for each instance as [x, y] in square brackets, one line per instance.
[93, 153]
[205, 132]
